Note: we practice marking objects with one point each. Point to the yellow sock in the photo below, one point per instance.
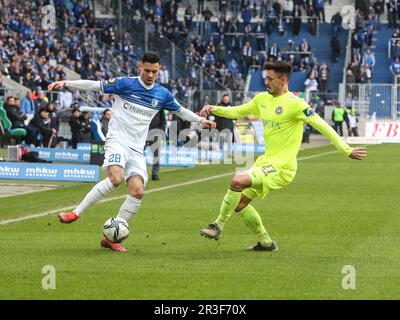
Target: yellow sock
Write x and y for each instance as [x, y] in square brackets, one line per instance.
[252, 220]
[230, 202]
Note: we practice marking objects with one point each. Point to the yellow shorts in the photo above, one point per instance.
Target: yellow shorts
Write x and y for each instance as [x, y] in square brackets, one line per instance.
[266, 177]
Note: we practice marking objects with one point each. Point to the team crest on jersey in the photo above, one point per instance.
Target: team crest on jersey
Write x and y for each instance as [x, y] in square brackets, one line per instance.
[278, 110]
[109, 81]
[154, 103]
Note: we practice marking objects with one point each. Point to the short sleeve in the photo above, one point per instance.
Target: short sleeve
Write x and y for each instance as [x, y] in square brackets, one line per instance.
[114, 85]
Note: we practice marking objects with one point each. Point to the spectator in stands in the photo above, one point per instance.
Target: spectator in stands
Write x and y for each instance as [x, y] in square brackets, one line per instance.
[221, 52]
[54, 118]
[233, 66]
[225, 126]
[323, 77]
[41, 101]
[353, 120]
[378, 10]
[319, 6]
[291, 47]
[305, 49]
[235, 6]
[246, 58]
[395, 68]
[76, 126]
[270, 19]
[392, 13]
[247, 15]
[336, 47]
[188, 16]
[364, 6]
[336, 22]
[349, 102]
[28, 81]
[281, 24]
[9, 103]
[163, 76]
[42, 123]
[260, 36]
[86, 131]
[239, 83]
[207, 14]
[27, 104]
[365, 69]
[18, 117]
[105, 120]
[302, 65]
[320, 109]
[296, 23]
[311, 86]
[273, 52]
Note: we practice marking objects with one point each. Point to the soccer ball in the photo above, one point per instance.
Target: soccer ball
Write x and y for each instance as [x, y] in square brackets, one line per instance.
[116, 229]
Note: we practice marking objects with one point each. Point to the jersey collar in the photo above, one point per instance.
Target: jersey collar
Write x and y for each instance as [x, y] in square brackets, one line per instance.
[145, 85]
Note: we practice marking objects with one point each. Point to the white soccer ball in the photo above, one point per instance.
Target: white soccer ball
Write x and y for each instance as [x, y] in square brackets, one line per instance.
[116, 229]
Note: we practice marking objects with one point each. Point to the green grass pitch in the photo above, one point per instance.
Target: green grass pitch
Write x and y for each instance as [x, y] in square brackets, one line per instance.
[337, 212]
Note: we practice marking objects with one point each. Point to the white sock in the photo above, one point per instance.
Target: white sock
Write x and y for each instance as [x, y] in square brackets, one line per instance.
[129, 208]
[99, 191]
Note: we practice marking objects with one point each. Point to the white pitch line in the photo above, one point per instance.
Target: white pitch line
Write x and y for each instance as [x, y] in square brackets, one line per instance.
[42, 214]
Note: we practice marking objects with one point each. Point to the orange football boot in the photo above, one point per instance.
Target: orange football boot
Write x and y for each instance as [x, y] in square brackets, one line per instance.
[105, 243]
[68, 217]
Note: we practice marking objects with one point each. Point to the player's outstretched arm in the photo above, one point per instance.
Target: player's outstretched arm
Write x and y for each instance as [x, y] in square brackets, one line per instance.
[236, 112]
[327, 131]
[89, 85]
[188, 115]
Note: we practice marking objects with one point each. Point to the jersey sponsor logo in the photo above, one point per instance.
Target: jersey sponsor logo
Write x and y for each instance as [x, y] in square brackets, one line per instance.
[109, 82]
[308, 112]
[270, 124]
[131, 108]
[278, 110]
[154, 103]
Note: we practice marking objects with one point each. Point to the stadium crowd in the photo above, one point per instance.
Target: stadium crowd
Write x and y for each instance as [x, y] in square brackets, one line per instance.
[226, 48]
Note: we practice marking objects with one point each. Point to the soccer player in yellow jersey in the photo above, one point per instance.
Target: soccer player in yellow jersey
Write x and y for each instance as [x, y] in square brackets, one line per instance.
[283, 115]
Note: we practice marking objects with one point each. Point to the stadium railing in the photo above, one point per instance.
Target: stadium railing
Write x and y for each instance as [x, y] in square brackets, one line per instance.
[380, 100]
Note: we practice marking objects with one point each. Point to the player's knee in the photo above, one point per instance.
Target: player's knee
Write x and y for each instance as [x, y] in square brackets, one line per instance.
[116, 180]
[238, 183]
[137, 193]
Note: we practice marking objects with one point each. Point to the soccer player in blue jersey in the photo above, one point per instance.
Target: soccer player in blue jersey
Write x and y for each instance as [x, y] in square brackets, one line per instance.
[137, 101]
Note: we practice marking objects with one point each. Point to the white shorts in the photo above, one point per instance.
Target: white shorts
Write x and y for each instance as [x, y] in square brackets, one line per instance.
[133, 162]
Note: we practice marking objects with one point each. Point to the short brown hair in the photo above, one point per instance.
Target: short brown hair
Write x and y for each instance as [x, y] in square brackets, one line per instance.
[281, 67]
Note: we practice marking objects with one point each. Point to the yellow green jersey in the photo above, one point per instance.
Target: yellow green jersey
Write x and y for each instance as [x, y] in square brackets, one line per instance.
[283, 118]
